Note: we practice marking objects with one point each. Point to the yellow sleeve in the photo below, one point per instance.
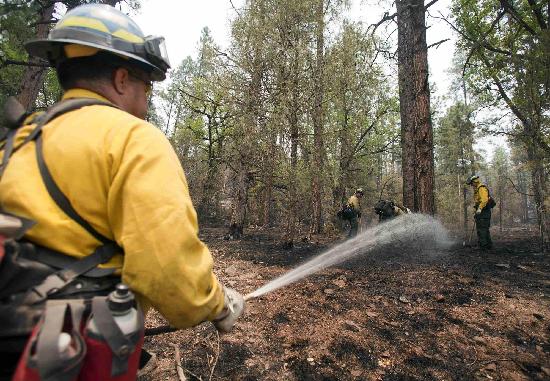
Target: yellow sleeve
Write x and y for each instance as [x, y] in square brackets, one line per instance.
[153, 218]
[483, 194]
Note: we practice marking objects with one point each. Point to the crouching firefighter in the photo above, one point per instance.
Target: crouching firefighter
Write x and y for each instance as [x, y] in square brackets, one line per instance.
[387, 209]
[96, 211]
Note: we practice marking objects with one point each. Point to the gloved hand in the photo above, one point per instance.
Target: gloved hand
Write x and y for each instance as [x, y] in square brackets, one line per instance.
[478, 211]
[233, 308]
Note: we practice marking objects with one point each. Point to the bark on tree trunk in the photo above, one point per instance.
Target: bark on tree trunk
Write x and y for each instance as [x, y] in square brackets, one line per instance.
[269, 177]
[292, 218]
[33, 77]
[414, 99]
[240, 202]
[318, 123]
[524, 200]
[343, 168]
[539, 191]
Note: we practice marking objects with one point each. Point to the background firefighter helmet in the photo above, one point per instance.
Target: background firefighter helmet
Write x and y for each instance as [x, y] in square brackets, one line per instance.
[100, 27]
[472, 179]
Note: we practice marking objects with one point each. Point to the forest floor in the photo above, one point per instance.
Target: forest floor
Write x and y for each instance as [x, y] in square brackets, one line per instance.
[458, 314]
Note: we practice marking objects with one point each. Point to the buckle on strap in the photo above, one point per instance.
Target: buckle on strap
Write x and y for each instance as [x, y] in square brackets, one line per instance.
[57, 281]
[52, 284]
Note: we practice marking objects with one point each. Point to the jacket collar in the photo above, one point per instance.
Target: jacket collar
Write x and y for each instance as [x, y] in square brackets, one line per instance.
[83, 93]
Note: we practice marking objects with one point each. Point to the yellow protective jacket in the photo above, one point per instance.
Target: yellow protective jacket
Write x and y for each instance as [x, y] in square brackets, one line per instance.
[481, 194]
[122, 176]
[355, 203]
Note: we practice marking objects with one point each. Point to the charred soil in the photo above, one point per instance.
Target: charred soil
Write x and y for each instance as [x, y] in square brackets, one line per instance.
[396, 314]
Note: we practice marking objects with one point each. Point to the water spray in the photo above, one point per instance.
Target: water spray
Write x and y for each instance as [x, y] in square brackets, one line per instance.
[424, 231]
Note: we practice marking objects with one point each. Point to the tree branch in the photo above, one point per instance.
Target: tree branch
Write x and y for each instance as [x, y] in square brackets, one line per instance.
[538, 14]
[386, 17]
[509, 8]
[430, 4]
[436, 44]
[517, 190]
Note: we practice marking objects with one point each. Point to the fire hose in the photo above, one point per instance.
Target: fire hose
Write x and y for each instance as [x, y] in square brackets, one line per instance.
[167, 328]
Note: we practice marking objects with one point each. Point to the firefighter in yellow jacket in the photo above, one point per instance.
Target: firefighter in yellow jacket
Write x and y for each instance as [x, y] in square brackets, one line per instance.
[482, 206]
[118, 172]
[354, 202]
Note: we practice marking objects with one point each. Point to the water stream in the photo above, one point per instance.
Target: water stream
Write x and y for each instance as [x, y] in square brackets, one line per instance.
[421, 231]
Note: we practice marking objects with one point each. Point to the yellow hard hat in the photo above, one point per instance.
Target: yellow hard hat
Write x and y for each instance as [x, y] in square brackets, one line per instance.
[90, 28]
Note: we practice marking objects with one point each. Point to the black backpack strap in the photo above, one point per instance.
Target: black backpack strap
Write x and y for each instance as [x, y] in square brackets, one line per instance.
[55, 193]
[58, 196]
[59, 280]
[42, 119]
[8, 150]
[61, 108]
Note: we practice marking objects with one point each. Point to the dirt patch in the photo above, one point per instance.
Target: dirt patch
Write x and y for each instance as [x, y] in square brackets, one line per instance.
[393, 315]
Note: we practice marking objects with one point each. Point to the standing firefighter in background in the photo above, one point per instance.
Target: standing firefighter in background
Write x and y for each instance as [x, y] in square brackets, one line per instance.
[483, 203]
[101, 184]
[354, 207]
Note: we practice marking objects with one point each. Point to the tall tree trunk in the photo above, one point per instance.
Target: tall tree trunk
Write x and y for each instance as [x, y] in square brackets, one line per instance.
[294, 136]
[318, 123]
[292, 215]
[414, 99]
[269, 178]
[539, 191]
[240, 202]
[33, 77]
[524, 200]
[344, 161]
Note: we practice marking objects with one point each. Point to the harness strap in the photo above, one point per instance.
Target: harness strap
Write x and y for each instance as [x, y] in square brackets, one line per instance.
[8, 150]
[60, 260]
[121, 346]
[57, 281]
[51, 364]
[58, 196]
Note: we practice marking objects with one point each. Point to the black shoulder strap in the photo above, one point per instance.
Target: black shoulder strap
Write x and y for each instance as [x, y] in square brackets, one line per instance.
[55, 193]
[8, 150]
[61, 108]
[40, 120]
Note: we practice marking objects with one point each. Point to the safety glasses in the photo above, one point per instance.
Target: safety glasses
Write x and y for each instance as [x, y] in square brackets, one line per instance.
[142, 78]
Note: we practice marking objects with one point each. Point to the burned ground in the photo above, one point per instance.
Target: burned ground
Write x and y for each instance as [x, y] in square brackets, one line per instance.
[395, 314]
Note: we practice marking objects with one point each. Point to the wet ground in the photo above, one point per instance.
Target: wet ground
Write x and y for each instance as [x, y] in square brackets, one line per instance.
[396, 314]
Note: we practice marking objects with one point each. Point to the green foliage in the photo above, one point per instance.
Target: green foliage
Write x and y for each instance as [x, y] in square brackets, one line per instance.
[14, 31]
[251, 109]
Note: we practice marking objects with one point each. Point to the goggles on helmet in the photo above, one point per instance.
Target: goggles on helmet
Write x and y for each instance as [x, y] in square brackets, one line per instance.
[152, 50]
[155, 51]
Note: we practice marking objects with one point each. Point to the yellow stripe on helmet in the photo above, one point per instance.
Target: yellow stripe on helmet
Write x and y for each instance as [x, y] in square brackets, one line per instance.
[127, 36]
[84, 22]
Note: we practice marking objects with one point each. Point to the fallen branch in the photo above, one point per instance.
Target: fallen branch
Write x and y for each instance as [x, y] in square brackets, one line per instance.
[179, 369]
[217, 356]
